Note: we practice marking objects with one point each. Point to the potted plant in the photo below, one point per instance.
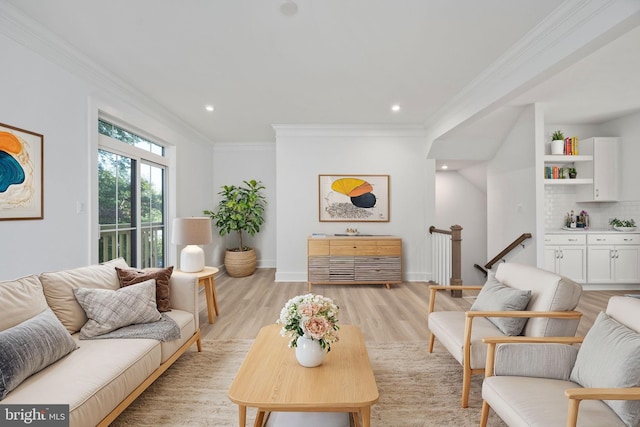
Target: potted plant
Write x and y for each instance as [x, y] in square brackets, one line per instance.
[240, 209]
[573, 173]
[557, 142]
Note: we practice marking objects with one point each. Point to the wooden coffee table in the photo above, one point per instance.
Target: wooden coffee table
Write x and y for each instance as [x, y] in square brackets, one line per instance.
[271, 379]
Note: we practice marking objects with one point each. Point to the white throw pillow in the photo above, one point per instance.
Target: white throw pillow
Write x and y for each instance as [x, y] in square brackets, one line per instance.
[496, 296]
[609, 357]
[109, 310]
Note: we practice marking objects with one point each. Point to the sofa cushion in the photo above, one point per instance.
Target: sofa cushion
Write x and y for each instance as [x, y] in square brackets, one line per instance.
[93, 379]
[523, 401]
[496, 296]
[109, 310]
[610, 357]
[58, 289]
[131, 276]
[21, 300]
[30, 347]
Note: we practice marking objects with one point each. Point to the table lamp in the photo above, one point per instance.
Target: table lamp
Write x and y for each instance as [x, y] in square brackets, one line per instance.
[191, 232]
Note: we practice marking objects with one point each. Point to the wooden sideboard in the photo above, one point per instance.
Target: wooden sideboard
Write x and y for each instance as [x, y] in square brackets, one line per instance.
[354, 260]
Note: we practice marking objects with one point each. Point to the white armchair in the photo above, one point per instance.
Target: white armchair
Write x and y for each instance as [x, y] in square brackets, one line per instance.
[519, 300]
[548, 382]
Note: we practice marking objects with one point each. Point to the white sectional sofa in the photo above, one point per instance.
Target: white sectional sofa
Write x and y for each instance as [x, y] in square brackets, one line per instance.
[100, 377]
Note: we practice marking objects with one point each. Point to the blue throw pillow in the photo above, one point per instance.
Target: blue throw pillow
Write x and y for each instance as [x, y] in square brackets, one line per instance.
[30, 347]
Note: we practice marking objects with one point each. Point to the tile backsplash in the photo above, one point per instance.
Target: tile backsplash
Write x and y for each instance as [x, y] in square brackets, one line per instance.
[560, 199]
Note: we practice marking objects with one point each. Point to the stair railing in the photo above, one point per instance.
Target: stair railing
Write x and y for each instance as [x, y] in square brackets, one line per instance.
[508, 249]
[447, 257]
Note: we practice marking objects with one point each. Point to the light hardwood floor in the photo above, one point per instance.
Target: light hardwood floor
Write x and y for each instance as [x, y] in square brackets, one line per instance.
[384, 315]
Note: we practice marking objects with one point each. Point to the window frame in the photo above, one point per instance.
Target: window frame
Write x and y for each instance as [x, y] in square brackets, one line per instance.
[140, 156]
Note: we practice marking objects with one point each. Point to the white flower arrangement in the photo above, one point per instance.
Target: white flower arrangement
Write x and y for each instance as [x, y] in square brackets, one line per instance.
[312, 315]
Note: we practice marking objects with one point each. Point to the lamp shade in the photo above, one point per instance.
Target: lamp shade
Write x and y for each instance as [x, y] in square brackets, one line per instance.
[191, 231]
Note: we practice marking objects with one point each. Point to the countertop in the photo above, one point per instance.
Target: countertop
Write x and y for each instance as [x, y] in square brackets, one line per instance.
[588, 231]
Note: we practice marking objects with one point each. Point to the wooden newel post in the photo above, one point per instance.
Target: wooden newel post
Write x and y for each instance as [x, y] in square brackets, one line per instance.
[456, 259]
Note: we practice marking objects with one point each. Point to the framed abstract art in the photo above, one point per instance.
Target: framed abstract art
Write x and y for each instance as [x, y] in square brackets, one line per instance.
[353, 198]
[21, 174]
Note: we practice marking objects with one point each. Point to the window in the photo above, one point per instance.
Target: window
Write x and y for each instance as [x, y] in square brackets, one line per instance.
[131, 197]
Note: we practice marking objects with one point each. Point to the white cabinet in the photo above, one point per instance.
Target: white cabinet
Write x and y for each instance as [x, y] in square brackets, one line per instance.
[613, 258]
[603, 170]
[566, 255]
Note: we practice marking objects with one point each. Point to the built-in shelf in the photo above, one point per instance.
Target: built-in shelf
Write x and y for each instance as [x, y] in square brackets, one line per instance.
[567, 159]
[567, 181]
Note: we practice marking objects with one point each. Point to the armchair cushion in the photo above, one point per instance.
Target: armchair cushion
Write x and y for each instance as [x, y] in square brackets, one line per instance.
[609, 357]
[535, 360]
[496, 296]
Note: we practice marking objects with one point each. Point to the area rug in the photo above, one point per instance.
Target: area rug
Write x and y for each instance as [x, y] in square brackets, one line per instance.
[416, 389]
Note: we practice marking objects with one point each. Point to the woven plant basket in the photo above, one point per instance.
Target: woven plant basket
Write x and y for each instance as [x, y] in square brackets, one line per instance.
[240, 263]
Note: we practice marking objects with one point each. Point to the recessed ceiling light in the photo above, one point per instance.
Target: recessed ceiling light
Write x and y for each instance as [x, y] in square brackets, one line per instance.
[209, 107]
[395, 108]
[288, 8]
[444, 167]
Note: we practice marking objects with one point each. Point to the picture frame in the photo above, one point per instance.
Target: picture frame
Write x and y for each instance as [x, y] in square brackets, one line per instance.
[353, 198]
[22, 181]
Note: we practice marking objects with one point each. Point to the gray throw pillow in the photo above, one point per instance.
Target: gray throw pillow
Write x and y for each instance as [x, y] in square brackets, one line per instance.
[609, 357]
[31, 346]
[109, 310]
[496, 296]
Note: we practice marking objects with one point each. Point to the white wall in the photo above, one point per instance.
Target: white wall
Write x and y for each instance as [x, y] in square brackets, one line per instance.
[45, 97]
[303, 153]
[511, 191]
[458, 201]
[237, 162]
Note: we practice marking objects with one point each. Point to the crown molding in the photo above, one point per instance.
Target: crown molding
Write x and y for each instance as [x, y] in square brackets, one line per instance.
[414, 131]
[573, 30]
[243, 146]
[29, 33]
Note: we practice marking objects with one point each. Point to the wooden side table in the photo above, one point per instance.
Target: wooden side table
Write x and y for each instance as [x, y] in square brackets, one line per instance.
[206, 279]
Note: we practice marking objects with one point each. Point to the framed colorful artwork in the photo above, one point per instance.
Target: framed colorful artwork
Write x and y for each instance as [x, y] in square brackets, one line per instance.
[353, 198]
[21, 174]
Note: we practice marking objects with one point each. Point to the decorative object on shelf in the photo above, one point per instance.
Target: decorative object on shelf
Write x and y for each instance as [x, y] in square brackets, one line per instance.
[191, 232]
[557, 143]
[363, 198]
[583, 220]
[352, 232]
[241, 208]
[21, 174]
[625, 225]
[573, 173]
[312, 318]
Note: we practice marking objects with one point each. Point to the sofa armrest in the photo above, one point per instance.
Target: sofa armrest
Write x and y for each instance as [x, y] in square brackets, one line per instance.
[183, 293]
[629, 393]
[528, 314]
[577, 395]
[433, 290]
[535, 360]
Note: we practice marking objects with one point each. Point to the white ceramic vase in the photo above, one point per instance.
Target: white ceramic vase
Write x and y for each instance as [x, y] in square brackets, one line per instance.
[309, 352]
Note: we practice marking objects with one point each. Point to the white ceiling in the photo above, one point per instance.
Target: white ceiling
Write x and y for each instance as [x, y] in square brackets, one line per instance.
[334, 62]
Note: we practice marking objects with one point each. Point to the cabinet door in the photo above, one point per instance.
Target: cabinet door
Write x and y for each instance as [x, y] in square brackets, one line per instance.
[550, 256]
[627, 260]
[600, 264]
[572, 263]
[605, 183]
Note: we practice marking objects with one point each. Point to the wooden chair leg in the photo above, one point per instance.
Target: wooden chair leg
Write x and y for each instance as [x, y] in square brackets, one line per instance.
[432, 339]
[466, 385]
[484, 416]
